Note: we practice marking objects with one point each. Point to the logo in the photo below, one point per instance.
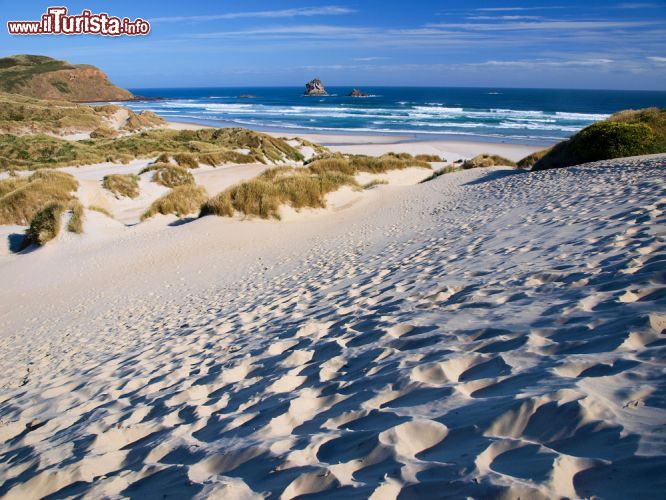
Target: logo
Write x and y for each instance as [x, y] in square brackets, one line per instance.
[56, 21]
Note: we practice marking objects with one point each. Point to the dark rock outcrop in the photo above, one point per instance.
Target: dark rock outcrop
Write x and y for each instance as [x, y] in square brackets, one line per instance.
[358, 93]
[315, 87]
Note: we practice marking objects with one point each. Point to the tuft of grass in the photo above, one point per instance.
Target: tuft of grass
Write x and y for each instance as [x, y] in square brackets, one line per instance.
[75, 224]
[101, 210]
[530, 160]
[627, 133]
[103, 132]
[21, 198]
[181, 200]
[169, 175]
[445, 170]
[186, 160]
[429, 158]
[486, 160]
[122, 185]
[374, 183]
[163, 158]
[263, 195]
[45, 225]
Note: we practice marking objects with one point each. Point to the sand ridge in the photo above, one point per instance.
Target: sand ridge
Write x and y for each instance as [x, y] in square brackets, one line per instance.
[489, 333]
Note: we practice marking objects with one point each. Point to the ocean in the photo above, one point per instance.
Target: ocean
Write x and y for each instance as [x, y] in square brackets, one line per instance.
[532, 116]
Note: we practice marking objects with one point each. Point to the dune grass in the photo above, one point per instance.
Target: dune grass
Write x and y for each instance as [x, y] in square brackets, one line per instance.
[374, 183]
[211, 146]
[21, 114]
[263, 195]
[445, 170]
[428, 158]
[47, 222]
[75, 224]
[122, 185]
[530, 160]
[181, 201]
[101, 210]
[169, 175]
[21, 198]
[487, 160]
[627, 133]
[142, 120]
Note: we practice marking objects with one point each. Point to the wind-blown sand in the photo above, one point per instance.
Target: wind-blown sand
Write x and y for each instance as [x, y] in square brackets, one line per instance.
[491, 332]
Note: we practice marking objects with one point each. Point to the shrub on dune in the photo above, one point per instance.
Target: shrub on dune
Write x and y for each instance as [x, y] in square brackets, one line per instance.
[169, 175]
[181, 201]
[428, 158]
[627, 133]
[263, 195]
[45, 225]
[29, 195]
[103, 132]
[486, 160]
[186, 160]
[122, 185]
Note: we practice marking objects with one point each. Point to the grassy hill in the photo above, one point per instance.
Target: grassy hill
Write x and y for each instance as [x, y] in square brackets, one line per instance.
[46, 78]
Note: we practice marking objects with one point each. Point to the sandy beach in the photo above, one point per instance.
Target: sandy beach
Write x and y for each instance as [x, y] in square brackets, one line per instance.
[489, 333]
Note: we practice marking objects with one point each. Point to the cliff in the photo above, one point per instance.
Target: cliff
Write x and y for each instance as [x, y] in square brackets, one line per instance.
[46, 78]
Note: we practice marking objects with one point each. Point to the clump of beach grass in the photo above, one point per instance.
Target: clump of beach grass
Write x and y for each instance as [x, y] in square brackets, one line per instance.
[428, 158]
[181, 201]
[101, 210]
[448, 169]
[186, 160]
[103, 132]
[262, 196]
[169, 175]
[22, 197]
[533, 158]
[122, 185]
[374, 183]
[47, 222]
[75, 223]
[487, 160]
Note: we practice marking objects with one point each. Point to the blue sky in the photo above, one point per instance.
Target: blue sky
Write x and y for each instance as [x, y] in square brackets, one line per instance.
[561, 44]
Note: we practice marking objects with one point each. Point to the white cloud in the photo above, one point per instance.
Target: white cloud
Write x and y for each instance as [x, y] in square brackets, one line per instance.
[657, 59]
[330, 10]
[630, 5]
[544, 25]
[365, 59]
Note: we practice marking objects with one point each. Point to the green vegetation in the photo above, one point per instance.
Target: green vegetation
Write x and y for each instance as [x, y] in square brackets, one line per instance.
[530, 160]
[445, 170]
[21, 198]
[45, 225]
[103, 132]
[75, 224]
[20, 115]
[169, 175]
[186, 160]
[181, 200]
[353, 164]
[47, 222]
[263, 195]
[486, 160]
[122, 185]
[627, 133]
[211, 146]
[428, 158]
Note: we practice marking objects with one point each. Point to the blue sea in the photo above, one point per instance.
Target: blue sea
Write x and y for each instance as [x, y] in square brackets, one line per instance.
[538, 116]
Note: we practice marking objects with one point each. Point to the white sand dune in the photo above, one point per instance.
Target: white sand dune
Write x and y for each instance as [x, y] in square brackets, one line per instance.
[490, 333]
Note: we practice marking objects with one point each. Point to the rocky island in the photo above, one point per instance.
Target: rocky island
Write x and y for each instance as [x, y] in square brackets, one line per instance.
[357, 93]
[315, 88]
